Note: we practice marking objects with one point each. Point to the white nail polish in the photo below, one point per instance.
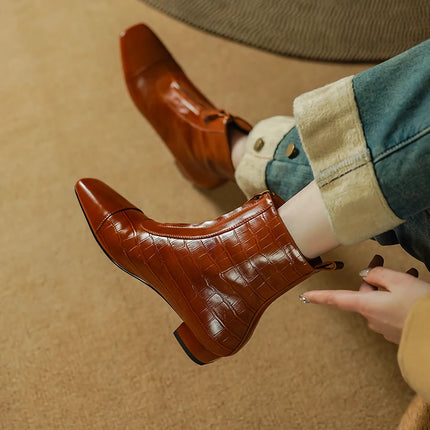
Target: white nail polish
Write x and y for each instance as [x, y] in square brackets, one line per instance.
[363, 273]
[304, 299]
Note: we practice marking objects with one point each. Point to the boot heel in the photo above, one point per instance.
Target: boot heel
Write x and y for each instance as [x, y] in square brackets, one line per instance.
[192, 347]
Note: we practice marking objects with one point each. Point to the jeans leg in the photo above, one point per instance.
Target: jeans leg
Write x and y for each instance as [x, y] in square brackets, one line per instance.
[367, 139]
[287, 176]
[393, 101]
[376, 123]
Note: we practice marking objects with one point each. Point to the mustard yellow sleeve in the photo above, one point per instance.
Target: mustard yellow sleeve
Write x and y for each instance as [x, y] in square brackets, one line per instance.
[414, 349]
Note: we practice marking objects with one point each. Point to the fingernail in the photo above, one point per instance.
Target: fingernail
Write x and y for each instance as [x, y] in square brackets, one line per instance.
[304, 299]
[363, 273]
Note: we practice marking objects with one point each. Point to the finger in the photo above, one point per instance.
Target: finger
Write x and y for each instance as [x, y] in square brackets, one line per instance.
[342, 299]
[413, 272]
[365, 287]
[385, 278]
[376, 261]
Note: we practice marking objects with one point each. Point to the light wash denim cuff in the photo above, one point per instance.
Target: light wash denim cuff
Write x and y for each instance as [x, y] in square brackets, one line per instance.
[332, 136]
[260, 147]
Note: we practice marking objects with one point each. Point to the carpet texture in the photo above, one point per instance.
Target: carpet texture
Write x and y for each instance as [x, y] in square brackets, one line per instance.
[85, 346]
[332, 30]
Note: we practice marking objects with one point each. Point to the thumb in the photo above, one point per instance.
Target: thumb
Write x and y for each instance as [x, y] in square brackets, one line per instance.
[382, 277]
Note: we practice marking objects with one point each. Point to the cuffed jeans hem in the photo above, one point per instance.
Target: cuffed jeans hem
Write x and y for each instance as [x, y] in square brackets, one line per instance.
[259, 150]
[332, 136]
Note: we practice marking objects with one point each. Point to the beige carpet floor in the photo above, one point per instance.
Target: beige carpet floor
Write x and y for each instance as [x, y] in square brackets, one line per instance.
[85, 346]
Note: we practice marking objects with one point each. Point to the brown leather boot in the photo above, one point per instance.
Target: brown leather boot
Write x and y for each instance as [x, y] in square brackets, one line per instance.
[194, 130]
[218, 276]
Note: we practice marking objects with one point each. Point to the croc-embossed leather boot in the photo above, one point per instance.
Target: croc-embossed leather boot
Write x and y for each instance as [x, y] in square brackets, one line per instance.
[219, 276]
[195, 131]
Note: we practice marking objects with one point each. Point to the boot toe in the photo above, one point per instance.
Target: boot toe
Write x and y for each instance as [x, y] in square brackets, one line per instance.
[140, 48]
[99, 201]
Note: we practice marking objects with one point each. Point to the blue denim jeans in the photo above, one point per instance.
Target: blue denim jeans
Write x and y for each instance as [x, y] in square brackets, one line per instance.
[393, 100]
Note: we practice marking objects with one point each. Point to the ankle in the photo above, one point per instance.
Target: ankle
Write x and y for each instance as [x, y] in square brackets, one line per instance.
[308, 222]
[237, 140]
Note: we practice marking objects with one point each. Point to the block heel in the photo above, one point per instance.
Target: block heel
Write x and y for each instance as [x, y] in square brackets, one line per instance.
[192, 347]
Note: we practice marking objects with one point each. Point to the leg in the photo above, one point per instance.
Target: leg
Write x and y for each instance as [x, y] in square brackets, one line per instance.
[304, 213]
[366, 141]
[219, 276]
[209, 161]
[308, 222]
[194, 130]
[237, 140]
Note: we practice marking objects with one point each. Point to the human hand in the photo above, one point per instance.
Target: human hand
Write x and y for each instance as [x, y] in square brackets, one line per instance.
[384, 298]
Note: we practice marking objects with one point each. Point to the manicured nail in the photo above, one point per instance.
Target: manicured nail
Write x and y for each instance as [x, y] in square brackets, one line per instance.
[304, 299]
[363, 273]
